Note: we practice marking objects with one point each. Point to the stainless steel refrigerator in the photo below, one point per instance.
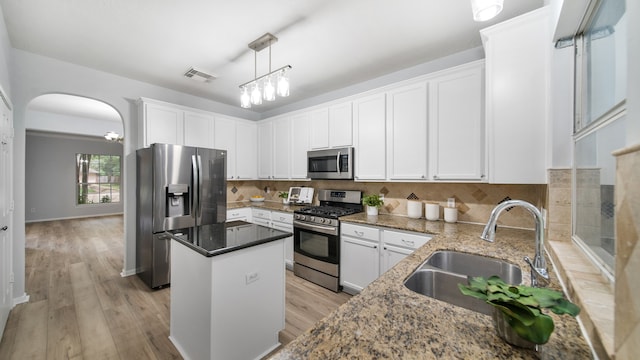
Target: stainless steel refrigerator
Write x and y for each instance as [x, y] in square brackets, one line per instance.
[178, 187]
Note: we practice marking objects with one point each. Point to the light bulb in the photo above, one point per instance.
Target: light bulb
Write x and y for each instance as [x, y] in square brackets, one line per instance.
[484, 10]
[283, 84]
[256, 95]
[245, 100]
[269, 89]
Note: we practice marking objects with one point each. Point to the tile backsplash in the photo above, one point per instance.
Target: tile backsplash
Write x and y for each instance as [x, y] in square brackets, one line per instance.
[473, 200]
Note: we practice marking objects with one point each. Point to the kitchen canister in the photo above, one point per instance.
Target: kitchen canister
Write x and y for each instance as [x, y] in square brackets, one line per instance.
[414, 209]
[450, 214]
[432, 211]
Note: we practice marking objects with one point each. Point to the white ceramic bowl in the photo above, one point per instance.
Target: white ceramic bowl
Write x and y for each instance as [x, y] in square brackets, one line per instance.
[254, 199]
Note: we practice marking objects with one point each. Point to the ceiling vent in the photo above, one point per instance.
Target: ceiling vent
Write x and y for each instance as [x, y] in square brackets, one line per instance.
[199, 75]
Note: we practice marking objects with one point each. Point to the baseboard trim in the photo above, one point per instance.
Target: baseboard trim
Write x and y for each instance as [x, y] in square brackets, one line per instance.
[129, 272]
[21, 299]
[73, 217]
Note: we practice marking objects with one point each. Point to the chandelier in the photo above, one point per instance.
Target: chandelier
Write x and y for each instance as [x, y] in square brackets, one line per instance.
[113, 136]
[484, 10]
[267, 86]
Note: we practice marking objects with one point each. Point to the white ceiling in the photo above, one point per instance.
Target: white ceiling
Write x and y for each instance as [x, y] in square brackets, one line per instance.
[330, 44]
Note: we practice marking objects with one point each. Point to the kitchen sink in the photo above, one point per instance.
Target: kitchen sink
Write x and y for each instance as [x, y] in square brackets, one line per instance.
[475, 265]
[438, 277]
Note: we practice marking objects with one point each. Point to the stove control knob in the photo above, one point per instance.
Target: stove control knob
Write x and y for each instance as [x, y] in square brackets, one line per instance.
[322, 220]
[302, 217]
[311, 218]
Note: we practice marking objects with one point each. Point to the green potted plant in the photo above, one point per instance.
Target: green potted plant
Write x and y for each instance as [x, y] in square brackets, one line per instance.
[372, 202]
[284, 195]
[518, 309]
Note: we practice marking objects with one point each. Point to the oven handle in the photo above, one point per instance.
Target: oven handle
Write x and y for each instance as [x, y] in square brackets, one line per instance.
[329, 230]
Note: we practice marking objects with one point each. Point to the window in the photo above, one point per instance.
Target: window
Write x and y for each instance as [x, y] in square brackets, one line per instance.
[98, 179]
[600, 125]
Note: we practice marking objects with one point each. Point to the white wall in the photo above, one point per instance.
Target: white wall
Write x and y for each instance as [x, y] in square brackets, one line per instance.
[67, 124]
[561, 98]
[50, 178]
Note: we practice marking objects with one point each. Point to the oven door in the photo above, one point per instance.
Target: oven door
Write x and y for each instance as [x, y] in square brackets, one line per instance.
[318, 242]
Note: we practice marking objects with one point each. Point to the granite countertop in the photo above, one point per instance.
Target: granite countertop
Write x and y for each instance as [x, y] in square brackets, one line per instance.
[268, 205]
[388, 321]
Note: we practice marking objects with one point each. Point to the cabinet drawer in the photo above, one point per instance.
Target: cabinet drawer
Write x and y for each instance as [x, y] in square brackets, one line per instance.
[361, 232]
[406, 240]
[262, 222]
[261, 214]
[243, 214]
[282, 217]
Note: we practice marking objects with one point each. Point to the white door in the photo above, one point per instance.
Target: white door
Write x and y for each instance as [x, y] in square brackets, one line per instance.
[6, 210]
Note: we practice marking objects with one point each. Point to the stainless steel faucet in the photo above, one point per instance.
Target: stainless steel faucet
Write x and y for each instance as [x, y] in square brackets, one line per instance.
[539, 273]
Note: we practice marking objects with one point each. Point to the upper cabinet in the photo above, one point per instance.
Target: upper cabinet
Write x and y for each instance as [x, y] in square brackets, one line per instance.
[331, 127]
[517, 97]
[240, 139]
[265, 150]
[407, 132]
[369, 141]
[340, 125]
[160, 123]
[456, 124]
[281, 148]
[300, 134]
[198, 129]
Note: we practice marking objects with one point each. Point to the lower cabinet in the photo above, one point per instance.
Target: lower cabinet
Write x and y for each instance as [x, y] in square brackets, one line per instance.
[284, 222]
[367, 252]
[277, 220]
[240, 214]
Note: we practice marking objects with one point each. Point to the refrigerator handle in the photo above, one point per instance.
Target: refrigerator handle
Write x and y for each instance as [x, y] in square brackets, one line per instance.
[195, 188]
[199, 192]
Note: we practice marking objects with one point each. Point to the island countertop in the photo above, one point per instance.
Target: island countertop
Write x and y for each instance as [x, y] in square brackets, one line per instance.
[389, 321]
[222, 238]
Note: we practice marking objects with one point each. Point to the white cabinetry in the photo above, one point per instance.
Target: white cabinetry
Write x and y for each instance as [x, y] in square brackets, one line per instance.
[319, 137]
[198, 129]
[340, 125]
[281, 148]
[300, 125]
[284, 222]
[456, 124]
[517, 97]
[396, 245]
[265, 150]
[239, 138]
[160, 123]
[359, 256]
[240, 214]
[261, 217]
[278, 220]
[407, 132]
[246, 150]
[367, 252]
[332, 127]
[369, 140]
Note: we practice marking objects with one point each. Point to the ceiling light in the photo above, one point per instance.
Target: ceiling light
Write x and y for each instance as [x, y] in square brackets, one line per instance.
[262, 87]
[113, 136]
[484, 10]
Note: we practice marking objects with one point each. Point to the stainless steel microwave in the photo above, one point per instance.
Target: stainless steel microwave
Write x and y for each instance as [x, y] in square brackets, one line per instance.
[330, 164]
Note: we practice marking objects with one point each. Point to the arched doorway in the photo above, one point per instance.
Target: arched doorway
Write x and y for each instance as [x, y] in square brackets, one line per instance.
[71, 169]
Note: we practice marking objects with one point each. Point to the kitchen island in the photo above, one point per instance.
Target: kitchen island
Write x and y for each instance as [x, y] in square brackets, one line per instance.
[227, 291]
[389, 321]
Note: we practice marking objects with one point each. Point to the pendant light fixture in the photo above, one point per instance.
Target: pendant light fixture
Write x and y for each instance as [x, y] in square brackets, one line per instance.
[269, 85]
[484, 10]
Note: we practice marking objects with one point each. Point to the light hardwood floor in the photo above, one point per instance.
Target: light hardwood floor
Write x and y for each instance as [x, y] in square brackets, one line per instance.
[81, 308]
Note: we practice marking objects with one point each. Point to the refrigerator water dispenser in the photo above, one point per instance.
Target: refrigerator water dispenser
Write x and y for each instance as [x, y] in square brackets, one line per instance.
[177, 200]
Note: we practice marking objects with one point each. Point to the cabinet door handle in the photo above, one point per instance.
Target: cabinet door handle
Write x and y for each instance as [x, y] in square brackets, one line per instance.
[4, 228]
[359, 233]
[375, 246]
[409, 242]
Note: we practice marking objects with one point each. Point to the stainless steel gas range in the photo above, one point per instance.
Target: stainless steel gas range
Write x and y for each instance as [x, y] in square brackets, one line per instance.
[316, 237]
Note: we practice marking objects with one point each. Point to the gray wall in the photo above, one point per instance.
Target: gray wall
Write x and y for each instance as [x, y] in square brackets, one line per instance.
[50, 175]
